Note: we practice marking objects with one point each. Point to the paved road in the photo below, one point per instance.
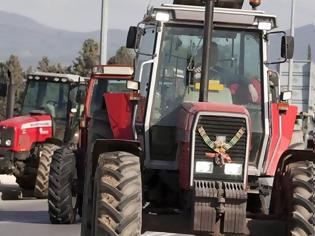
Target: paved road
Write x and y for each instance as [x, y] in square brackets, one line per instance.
[30, 218]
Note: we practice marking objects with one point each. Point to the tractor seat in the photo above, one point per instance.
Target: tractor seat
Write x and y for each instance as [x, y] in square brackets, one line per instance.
[224, 96]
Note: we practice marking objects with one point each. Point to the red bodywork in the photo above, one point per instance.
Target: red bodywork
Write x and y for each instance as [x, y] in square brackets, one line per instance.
[119, 110]
[28, 130]
[185, 124]
[279, 145]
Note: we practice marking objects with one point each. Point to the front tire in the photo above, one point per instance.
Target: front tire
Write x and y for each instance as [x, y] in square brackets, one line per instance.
[297, 189]
[61, 204]
[117, 205]
[41, 184]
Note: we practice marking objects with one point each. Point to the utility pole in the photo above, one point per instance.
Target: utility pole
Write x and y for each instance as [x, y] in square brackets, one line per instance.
[292, 34]
[104, 31]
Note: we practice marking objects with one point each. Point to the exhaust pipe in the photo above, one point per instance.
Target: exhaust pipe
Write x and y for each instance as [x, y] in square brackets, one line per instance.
[10, 97]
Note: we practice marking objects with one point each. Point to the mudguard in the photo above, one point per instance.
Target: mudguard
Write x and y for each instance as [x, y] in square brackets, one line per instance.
[111, 145]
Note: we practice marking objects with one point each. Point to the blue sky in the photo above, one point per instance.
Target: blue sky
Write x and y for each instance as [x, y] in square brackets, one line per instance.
[84, 15]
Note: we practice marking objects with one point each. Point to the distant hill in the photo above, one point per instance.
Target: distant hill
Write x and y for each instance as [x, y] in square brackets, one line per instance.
[31, 40]
[304, 36]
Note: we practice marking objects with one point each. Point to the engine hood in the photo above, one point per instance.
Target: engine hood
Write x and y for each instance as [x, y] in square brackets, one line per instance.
[25, 131]
[26, 122]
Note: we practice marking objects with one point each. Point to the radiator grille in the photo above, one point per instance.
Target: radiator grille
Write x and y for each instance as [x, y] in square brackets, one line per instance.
[217, 126]
[220, 126]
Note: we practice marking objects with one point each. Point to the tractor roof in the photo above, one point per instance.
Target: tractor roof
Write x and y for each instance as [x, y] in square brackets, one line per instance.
[56, 77]
[230, 16]
[113, 70]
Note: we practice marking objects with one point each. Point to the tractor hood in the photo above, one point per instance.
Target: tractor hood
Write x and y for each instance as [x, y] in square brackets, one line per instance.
[189, 111]
[22, 122]
[24, 131]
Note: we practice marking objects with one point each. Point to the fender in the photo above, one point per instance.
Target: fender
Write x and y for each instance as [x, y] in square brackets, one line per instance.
[280, 141]
[54, 141]
[111, 145]
[292, 155]
[289, 156]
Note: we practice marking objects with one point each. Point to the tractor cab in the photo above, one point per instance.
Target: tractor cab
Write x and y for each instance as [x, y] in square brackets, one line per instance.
[106, 79]
[56, 95]
[107, 105]
[170, 75]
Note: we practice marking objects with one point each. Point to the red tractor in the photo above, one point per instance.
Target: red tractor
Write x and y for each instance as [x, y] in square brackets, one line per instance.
[216, 144]
[107, 115]
[48, 119]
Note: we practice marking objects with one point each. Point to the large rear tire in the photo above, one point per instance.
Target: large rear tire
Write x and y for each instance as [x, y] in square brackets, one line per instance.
[298, 188]
[98, 128]
[61, 202]
[117, 205]
[41, 184]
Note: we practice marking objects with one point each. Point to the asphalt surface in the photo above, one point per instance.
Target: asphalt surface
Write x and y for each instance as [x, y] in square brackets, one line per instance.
[28, 217]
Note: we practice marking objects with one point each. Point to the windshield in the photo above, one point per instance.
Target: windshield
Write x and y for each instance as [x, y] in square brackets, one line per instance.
[102, 86]
[235, 74]
[49, 96]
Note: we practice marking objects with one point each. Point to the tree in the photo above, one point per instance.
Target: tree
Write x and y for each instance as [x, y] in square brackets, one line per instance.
[29, 70]
[88, 57]
[309, 52]
[124, 56]
[44, 64]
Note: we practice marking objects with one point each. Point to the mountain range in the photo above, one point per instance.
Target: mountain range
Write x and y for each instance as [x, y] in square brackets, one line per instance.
[30, 40]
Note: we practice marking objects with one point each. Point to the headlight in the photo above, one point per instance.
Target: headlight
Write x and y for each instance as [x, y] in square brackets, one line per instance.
[204, 167]
[233, 169]
[8, 142]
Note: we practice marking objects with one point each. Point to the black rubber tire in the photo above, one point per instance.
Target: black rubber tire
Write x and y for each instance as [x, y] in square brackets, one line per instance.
[299, 179]
[117, 205]
[28, 169]
[41, 184]
[98, 128]
[61, 204]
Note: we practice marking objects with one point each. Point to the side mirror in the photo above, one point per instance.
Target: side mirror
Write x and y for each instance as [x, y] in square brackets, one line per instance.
[133, 85]
[3, 89]
[285, 42]
[132, 37]
[287, 47]
[285, 96]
